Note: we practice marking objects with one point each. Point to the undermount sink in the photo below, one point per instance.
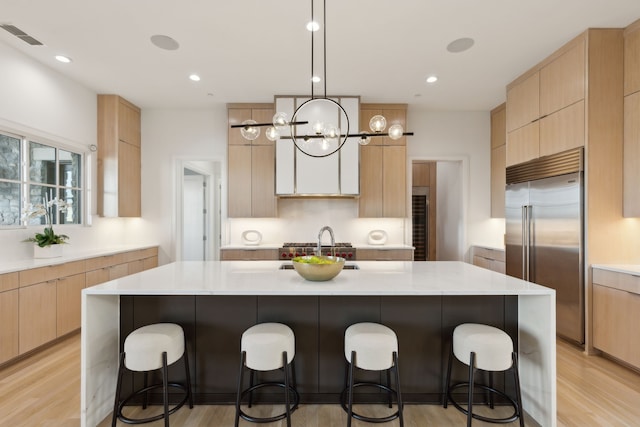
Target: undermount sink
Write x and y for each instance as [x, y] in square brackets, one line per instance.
[345, 267]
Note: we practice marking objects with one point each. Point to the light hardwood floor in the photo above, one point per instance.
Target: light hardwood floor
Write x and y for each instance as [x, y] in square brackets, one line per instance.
[43, 390]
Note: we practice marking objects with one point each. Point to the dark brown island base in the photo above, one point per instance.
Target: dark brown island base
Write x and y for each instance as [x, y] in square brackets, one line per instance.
[424, 324]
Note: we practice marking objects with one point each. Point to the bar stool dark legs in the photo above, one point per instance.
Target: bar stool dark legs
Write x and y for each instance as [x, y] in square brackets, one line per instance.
[143, 346]
[372, 347]
[267, 347]
[489, 349]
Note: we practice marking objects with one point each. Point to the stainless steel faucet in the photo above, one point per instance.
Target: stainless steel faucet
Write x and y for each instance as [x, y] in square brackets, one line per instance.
[333, 241]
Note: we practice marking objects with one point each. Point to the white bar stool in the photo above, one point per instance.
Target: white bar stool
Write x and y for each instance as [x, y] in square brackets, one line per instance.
[267, 347]
[146, 349]
[486, 348]
[372, 347]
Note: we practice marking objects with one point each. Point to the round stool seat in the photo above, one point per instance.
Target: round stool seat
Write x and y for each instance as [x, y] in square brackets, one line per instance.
[373, 343]
[144, 346]
[264, 344]
[492, 346]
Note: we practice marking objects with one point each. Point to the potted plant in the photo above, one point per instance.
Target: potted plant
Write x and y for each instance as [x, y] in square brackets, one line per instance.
[48, 244]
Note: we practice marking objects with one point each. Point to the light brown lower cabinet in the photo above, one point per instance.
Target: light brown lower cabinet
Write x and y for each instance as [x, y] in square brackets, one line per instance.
[249, 254]
[69, 303]
[491, 259]
[615, 312]
[37, 312]
[9, 325]
[41, 304]
[384, 254]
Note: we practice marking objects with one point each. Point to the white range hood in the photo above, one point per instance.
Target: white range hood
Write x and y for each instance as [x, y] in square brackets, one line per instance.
[298, 174]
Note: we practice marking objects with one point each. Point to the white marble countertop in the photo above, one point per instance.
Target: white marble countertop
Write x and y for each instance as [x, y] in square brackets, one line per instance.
[633, 269]
[266, 278]
[386, 246]
[69, 256]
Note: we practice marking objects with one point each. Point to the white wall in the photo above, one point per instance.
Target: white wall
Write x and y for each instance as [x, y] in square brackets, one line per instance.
[465, 137]
[168, 137]
[39, 102]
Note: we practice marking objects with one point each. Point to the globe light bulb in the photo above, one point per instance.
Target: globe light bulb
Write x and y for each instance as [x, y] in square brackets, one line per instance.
[396, 132]
[378, 123]
[365, 139]
[250, 132]
[331, 132]
[318, 127]
[272, 133]
[280, 120]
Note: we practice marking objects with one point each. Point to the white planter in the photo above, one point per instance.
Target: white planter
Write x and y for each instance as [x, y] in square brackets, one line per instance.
[50, 251]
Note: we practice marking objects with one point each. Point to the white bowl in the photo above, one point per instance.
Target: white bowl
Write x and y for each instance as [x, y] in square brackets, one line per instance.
[377, 237]
[251, 237]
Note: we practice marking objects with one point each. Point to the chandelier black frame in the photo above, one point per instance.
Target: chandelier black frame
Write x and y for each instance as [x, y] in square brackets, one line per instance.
[250, 129]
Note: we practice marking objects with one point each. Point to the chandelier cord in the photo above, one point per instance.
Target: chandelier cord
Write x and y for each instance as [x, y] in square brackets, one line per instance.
[324, 44]
[312, 55]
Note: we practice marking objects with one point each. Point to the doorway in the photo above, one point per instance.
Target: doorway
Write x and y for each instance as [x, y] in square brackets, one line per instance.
[438, 210]
[195, 219]
[198, 211]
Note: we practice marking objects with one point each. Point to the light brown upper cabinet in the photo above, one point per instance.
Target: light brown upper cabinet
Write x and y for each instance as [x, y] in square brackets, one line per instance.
[632, 155]
[632, 120]
[383, 166]
[523, 99]
[119, 160]
[536, 123]
[632, 58]
[251, 165]
[545, 106]
[498, 159]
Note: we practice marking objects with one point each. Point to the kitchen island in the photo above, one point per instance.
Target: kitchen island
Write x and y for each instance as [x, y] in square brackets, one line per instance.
[216, 301]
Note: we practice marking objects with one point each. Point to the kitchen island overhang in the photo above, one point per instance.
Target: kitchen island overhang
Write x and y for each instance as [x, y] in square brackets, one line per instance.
[383, 289]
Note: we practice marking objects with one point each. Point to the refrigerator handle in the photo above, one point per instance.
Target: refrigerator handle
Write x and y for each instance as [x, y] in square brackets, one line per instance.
[529, 215]
[525, 244]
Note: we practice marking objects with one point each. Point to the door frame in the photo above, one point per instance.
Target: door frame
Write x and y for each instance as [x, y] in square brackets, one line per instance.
[463, 252]
[213, 177]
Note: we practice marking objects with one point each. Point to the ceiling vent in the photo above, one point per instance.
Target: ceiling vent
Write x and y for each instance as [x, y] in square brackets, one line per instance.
[21, 34]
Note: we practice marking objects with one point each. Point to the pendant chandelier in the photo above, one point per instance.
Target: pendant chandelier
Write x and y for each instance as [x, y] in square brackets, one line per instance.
[319, 126]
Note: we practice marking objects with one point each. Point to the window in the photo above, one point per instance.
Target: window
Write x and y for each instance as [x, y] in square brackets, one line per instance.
[31, 170]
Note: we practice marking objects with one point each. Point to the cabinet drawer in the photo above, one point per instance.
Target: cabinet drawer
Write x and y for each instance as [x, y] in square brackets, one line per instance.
[489, 264]
[9, 281]
[494, 254]
[249, 254]
[384, 255]
[98, 276]
[620, 281]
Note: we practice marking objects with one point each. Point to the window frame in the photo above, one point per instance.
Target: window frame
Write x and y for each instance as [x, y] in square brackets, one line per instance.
[25, 181]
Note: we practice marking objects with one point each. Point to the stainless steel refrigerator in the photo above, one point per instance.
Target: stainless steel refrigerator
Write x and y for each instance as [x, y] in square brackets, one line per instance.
[544, 212]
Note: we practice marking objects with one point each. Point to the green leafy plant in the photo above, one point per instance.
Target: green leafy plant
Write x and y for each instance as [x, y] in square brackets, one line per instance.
[48, 237]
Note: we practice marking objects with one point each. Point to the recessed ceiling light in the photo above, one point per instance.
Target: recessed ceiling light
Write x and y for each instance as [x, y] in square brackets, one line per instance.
[313, 26]
[63, 58]
[460, 45]
[432, 79]
[164, 42]
[194, 77]
[315, 79]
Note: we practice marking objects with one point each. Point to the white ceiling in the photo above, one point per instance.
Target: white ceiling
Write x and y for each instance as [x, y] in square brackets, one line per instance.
[251, 50]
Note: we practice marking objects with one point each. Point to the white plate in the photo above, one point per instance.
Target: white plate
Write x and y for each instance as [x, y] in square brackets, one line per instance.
[377, 237]
[251, 237]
